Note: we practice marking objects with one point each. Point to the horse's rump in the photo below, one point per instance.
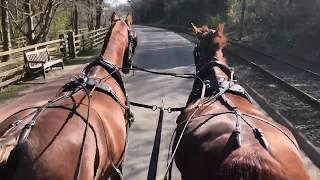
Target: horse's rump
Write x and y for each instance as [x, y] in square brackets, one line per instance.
[208, 151]
[10, 130]
[250, 162]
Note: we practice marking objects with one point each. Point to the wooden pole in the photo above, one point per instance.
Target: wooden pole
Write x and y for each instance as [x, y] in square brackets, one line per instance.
[63, 45]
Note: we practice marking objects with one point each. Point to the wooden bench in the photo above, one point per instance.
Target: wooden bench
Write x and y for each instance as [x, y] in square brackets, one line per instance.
[40, 61]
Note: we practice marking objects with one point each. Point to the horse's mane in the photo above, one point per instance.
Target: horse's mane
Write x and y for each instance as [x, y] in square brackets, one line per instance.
[106, 40]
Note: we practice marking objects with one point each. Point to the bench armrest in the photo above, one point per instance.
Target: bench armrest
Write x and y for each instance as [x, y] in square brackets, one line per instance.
[56, 55]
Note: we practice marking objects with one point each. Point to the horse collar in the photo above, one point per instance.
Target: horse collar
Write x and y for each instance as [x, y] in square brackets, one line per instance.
[112, 69]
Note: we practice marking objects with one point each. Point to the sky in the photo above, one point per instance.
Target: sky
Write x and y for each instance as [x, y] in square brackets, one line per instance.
[116, 2]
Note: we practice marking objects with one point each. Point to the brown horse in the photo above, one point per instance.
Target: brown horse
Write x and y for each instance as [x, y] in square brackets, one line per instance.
[225, 136]
[82, 133]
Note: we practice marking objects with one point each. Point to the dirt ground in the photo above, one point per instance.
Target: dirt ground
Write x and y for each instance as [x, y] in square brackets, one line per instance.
[38, 91]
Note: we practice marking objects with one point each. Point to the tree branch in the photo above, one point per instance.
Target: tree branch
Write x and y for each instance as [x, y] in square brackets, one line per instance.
[52, 7]
[42, 16]
[14, 21]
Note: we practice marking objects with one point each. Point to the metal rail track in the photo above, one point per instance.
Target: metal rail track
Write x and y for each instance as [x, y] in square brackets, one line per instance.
[302, 80]
[297, 91]
[276, 59]
[301, 110]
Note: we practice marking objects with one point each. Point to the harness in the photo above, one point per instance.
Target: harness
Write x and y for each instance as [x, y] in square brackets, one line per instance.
[210, 85]
[215, 90]
[81, 83]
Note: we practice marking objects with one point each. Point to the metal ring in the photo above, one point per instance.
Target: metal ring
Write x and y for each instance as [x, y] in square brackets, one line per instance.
[169, 110]
[154, 108]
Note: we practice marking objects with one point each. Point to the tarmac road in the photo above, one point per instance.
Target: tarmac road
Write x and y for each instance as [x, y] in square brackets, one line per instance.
[160, 50]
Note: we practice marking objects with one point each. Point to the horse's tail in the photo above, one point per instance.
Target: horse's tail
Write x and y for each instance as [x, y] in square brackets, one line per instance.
[251, 162]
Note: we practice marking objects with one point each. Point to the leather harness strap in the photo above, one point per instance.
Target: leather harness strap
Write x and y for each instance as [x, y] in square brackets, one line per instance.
[109, 67]
[225, 86]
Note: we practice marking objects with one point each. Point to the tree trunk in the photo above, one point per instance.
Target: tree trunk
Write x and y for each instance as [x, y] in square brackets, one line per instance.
[90, 15]
[17, 15]
[242, 19]
[75, 25]
[30, 25]
[98, 13]
[5, 29]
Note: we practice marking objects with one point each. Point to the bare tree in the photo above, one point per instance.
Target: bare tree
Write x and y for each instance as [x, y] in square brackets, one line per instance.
[90, 14]
[99, 9]
[5, 28]
[38, 17]
[75, 20]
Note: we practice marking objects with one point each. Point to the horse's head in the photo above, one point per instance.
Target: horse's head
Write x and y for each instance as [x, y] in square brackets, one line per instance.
[114, 17]
[121, 32]
[133, 42]
[211, 42]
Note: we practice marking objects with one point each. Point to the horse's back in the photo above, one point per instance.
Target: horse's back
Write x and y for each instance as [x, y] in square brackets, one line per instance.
[206, 150]
[57, 138]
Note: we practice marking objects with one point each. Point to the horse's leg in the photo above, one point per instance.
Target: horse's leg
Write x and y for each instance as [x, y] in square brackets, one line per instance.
[115, 175]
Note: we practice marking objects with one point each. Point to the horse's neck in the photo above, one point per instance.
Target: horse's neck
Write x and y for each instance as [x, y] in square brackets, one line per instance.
[217, 71]
[211, 75]
[114, 53]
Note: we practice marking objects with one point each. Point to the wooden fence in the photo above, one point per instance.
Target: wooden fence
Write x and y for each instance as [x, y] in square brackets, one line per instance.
[67, 46]
[16, 43]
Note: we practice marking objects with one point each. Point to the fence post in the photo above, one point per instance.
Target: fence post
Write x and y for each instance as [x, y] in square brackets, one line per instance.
[84, 41]
[72, 45]
[63, 45]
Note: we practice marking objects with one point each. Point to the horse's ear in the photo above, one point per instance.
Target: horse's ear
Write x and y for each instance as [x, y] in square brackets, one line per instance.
[220, 28]
[195, 29]
[129, 20]
[114, 17]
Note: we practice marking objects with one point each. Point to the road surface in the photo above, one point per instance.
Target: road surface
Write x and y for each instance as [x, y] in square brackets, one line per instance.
[160, 50]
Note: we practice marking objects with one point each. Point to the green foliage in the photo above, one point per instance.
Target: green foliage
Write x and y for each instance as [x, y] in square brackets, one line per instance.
[61, 22]
[263, 19]
[213, 21]
[233, 12]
